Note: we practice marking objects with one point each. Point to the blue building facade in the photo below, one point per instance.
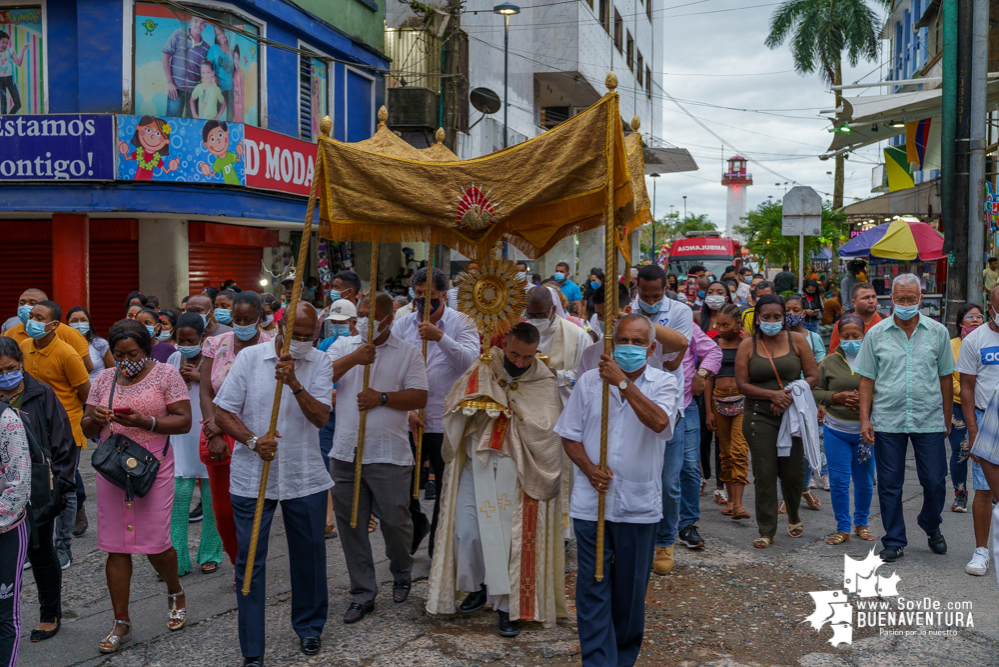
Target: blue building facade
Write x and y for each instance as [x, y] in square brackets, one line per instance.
[259, 73]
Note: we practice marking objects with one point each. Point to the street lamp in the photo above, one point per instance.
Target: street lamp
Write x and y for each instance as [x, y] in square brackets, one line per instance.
[685, 207]
[507, 9]
[655, 253]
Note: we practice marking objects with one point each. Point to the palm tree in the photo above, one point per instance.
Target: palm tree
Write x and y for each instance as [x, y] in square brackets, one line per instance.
[819, 32]
[763, 237]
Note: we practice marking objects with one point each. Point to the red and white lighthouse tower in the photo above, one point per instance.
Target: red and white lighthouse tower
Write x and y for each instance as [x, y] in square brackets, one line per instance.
[736, 180]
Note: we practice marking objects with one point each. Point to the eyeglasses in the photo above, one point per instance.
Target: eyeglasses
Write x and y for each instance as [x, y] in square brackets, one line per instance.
[303, 339]
[905, 300]
[971, 317]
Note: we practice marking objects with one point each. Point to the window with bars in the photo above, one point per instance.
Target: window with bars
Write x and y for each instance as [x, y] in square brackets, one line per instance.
[648, 81]
[648, 9]
[313, 95]
[618, 31]
[630, 51]
[605, 14]
[639, 68]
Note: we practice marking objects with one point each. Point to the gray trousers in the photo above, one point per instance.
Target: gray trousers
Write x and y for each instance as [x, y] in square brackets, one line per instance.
[385, 490]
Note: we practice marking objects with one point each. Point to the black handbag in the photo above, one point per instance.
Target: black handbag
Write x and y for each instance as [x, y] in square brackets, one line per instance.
[124, 462]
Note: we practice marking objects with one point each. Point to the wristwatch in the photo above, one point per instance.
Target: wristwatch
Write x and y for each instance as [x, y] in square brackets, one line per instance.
[703, 372]
[384, 398]
[623, 384]
[251, 442]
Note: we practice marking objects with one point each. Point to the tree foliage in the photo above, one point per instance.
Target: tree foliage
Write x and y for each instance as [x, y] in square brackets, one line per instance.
[670, 227]
[763, 237]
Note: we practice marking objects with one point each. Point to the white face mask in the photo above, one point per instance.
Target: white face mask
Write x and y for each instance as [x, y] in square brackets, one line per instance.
[543, 325]
[362, 328]
[714, 301]
[299, 349]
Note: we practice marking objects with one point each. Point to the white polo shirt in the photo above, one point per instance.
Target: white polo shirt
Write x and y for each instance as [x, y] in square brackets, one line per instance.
[248, 392]
[447, 359]
[398, 365]
[634, 452]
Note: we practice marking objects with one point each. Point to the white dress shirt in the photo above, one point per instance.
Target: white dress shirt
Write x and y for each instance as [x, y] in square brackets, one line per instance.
[248, 392]
[634, 452]
[447, 359]
[398, 365]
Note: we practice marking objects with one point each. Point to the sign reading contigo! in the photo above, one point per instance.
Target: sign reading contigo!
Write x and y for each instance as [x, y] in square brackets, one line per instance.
[71, 147]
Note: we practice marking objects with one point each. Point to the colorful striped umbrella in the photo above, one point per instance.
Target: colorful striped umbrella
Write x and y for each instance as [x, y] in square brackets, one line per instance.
[902, 240]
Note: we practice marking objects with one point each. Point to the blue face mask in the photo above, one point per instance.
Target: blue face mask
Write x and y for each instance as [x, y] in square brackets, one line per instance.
[850, 347]
[164, 336]
[700, 294]
[151, 330]
[630, 357]
[649, 309]
[223, 315]
[594, 284]
[35, 329]
[204, 319]
[189, 351]
[906, 312]
[82, 327]
[341, 330]
[559, 276]
[335, 295]
[10, 380]
[245, 333]
[771, 328]
[23, 313]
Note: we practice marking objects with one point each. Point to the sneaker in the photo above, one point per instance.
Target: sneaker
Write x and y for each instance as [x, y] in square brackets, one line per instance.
[197, 514]
[960, 502]
[27, 564]
[65, 556]
[430, 492]
[663, 562]
[824, 482]
[721, 497]
[81, 523]
[690, 538]
[979, 563]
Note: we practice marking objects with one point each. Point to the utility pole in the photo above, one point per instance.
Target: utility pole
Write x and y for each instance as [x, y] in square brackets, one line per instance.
[957, 269]
[977, 143]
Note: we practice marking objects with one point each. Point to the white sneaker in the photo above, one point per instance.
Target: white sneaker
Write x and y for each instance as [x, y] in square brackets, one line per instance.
[979, 564]
[824, 482]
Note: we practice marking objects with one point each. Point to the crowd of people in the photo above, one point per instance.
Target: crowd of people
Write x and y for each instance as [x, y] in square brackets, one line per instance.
[733, 377]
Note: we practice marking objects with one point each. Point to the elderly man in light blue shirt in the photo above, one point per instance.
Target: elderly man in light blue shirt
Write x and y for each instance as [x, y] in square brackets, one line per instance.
[906, 363]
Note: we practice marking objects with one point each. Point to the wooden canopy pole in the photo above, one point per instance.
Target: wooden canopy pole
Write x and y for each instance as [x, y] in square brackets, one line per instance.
[418, 436]
[610, 314]
[362, 425]
[289, 324]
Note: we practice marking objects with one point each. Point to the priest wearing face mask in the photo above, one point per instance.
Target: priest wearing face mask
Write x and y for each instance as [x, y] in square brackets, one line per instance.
[297, 479]
[397, 384]
[452, 346]
[501, 524]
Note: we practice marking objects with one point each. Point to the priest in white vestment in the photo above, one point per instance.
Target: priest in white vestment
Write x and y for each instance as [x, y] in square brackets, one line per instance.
[499, 538]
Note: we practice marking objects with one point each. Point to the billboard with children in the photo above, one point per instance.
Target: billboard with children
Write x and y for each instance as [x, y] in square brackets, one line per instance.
[213, 62]
[22, 87]
[190, 150]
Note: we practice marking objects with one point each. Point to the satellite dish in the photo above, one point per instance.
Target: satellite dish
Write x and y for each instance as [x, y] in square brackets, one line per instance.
[484, 100]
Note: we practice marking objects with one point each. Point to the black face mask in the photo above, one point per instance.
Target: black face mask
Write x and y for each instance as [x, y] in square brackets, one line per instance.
[420, 302]
[512, 370]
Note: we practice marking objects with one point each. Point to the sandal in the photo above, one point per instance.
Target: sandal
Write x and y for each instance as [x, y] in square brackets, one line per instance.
[330, 531]
[838, 538]
[112, 643]
[763, 541]
[782, 508]
[372, 525]
[864, 533]
[739, 512]
[177, 616]
[796, 529]
[727, 510]
[721, 497]
[811, 500]
[210, 567]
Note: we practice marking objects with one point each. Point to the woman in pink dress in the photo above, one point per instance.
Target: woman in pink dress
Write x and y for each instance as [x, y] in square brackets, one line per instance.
[150, 404]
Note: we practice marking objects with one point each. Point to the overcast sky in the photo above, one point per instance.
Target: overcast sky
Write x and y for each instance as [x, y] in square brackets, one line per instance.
[719, 58]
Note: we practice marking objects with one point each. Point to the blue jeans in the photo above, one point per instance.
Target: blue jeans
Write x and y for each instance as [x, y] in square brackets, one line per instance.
[610, 614]
[958, 450]
[180, 107]
[672, 465]
[690, 474]
[841, 453]
[811, 325]
[931, 467]
[326, 434]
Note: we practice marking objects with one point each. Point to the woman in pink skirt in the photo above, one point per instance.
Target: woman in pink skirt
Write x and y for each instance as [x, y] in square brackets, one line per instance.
[150, 404]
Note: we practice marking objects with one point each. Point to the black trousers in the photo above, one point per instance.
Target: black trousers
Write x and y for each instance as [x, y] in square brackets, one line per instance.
[13, 545]
[706, 437]
[432, 444]
[48, 575]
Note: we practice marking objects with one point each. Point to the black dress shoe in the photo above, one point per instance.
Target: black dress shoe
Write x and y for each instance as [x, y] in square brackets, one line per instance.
[891, 554]
[41, 635]
[938, 544]
[310, 645]
[508, 628]
[400, 591]
[356, 612]
[473, 602]
[430, 493]
[420, 530]
[253, 662]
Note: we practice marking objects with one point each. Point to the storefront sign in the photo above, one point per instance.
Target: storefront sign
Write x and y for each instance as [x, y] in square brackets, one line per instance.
[278, 162]
[73, 147]
[152, 148]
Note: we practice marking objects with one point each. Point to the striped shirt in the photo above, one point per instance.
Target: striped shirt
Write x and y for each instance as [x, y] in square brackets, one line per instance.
[185, 59]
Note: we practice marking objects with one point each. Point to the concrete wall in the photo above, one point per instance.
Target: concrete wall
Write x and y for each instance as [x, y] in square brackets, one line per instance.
[163, 260]
[363, 20]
